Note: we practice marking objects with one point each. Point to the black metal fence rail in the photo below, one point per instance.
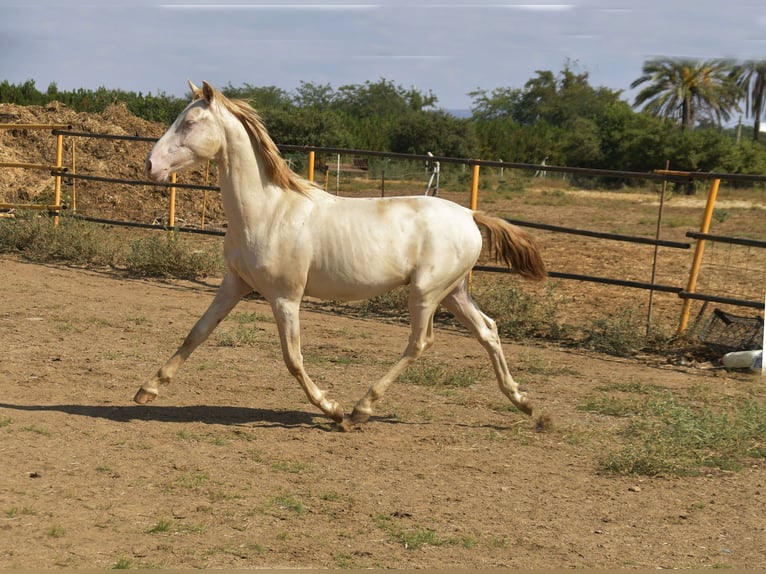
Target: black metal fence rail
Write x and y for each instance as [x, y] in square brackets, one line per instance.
[601, 235]
[724, 239]
[117, 222]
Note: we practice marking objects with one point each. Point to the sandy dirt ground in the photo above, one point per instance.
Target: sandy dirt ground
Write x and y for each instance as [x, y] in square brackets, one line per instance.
[232, 467]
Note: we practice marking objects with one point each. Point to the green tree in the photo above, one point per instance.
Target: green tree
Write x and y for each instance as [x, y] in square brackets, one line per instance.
[561, 110]
[750, 76]
[688, 90]
[308, 126]
[310, 95]
[261, 98]
[436, 132]
[381, 98]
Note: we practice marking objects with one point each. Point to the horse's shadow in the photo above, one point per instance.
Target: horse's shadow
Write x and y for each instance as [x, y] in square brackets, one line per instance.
[206, 414]
[219, 415]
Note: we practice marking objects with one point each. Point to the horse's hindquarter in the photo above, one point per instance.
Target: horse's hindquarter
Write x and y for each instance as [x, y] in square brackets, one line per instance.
[365, 247]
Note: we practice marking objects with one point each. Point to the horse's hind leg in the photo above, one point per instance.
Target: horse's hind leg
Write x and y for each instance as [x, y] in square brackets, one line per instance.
[460, 304]
[232, 289]
[421, 338]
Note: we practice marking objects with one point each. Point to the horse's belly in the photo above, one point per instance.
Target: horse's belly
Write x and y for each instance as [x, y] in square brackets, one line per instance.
[352, 286]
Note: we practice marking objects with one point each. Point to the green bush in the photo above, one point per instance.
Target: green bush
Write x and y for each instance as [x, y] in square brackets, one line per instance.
[170, 256]
[519, 314]
[75, 242]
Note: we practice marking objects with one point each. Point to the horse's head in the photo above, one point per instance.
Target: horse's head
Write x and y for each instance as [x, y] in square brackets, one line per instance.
[195, 136]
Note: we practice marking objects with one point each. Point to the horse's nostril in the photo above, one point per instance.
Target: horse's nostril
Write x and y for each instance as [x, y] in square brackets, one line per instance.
[148, 165]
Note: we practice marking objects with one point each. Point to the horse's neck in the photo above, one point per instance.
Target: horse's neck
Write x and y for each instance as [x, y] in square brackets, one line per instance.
[247, 193]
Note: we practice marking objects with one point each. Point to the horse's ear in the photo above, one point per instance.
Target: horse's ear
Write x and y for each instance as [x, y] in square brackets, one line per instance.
[196, 92]
[208, 92]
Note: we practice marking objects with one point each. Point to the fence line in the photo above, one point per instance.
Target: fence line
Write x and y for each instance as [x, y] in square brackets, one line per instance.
[687, 294]
[55, 169]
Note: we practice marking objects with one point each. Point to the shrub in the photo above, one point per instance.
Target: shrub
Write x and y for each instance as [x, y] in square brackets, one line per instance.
[170, 256]
[76, 242]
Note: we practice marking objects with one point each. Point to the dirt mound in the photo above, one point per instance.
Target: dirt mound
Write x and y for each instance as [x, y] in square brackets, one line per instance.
[119, 159]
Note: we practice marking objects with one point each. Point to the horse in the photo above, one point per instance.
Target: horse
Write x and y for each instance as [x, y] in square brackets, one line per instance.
[287, 238]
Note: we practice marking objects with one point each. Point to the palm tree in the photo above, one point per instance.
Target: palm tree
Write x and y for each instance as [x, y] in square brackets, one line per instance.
[687, 90]
[751, 77]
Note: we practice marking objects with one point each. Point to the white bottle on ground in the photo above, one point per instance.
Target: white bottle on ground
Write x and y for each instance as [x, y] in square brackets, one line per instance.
[752, 360]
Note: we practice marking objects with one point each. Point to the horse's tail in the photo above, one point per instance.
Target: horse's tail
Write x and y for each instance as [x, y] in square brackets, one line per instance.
[514, 246]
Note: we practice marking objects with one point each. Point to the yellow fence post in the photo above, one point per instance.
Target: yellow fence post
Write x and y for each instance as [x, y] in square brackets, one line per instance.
[699, 250]
[57, 185]
[474, 202]
[475, 186]
[172, 213]
[74, 181]
[312, 157]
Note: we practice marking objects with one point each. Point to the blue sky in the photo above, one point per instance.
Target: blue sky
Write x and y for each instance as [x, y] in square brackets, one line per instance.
[447, 47]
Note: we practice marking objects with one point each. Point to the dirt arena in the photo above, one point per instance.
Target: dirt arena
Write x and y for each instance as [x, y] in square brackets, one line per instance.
[231, 467]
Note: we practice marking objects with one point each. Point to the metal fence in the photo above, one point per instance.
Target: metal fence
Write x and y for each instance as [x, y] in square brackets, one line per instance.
[364, 161]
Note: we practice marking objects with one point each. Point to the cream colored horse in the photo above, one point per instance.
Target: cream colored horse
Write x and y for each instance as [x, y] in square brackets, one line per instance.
[286, 238]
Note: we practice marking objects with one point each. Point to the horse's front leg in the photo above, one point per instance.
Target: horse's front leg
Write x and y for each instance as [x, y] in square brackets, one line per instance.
[286, 313]
[232, 289]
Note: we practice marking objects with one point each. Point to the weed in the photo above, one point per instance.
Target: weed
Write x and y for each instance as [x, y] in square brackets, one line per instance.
[192, 480]
[621, 335]
[518, 313]
[226, 339]
[678, 439]
[289, 502]
[290, 467]
[612, 406]
[123, 563]
[431, 374]
[162, 526]
[720, 215]
[243, 318]
[73, 241]
[245, 335]
[55, 532]
[36, 430]
[187, 435]
[5, 422]
[170, 256]
[345, 561]
[392, 303]
[416, 537]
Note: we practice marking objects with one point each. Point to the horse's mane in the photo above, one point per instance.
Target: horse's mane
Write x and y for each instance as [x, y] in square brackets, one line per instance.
[276, 167]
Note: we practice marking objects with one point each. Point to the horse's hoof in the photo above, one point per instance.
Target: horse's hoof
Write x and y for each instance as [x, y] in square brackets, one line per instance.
[345, 425]
[526, 408]
[143, 397]
[359, 417]
[337, 414]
